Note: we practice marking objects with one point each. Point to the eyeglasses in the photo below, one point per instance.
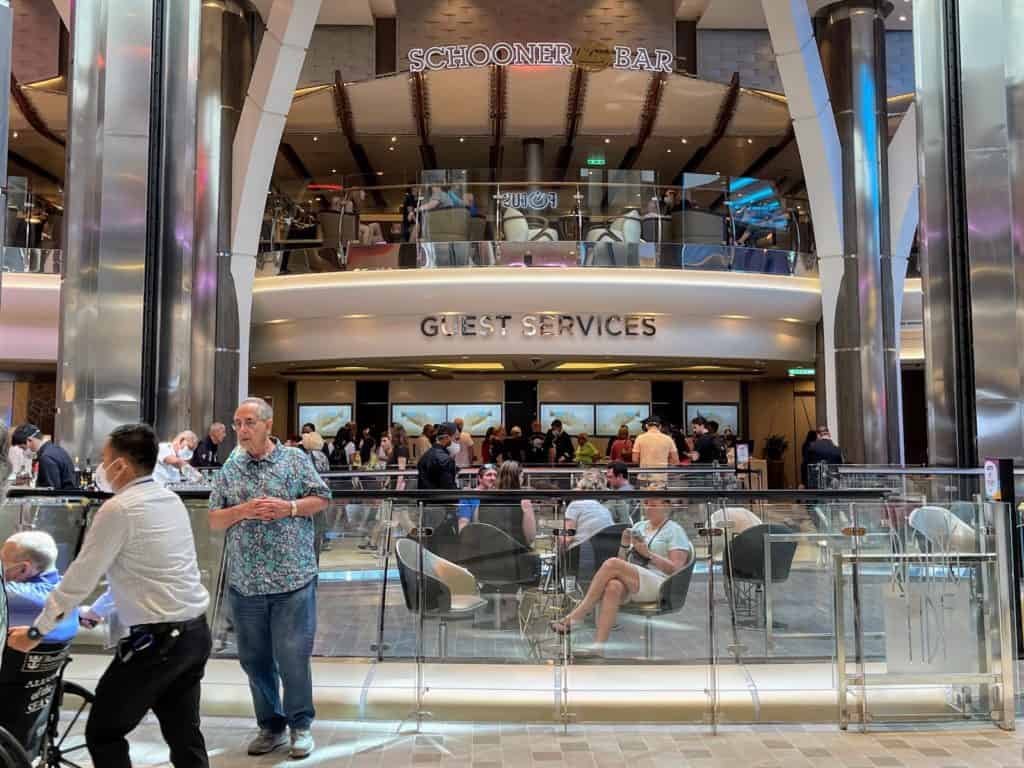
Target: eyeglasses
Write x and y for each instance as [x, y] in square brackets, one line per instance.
[247, 424]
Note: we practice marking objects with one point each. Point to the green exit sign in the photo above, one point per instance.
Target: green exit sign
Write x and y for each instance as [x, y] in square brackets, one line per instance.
[596, 161]
[801, 371]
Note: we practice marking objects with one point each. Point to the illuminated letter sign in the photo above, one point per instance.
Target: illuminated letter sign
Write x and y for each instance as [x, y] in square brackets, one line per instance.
[541, 326]
[534, 201]
[539, 55]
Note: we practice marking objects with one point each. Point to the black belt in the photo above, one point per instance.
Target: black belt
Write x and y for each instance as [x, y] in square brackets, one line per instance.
[169, 626]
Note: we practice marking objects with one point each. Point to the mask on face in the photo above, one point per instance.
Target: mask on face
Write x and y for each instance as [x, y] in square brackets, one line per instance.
[185, 454]
[453, 449]
[102, 479]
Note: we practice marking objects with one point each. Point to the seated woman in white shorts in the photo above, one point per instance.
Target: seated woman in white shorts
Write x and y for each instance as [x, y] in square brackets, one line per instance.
[656, 538]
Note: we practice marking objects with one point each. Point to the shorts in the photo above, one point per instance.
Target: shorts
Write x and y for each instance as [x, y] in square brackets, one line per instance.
[650, 585]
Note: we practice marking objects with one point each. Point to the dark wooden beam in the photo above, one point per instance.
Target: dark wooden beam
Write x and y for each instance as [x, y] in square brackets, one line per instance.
[28, 109]
[573, 115]
[762, 160]
[499, 105]
[421, 114]
[726, 110]
[33, 168]
[294, 161]
[343, 116]
[649, 113]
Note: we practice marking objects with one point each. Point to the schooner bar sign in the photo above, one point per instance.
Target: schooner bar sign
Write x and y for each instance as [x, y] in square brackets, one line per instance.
[540, 55]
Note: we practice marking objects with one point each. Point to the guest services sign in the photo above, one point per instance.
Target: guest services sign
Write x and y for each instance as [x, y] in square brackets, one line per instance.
[544, 325]
[590, 57]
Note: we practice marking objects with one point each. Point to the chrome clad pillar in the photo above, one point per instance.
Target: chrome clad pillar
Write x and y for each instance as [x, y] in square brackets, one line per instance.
[943, 241]
[225, 65]
[149, 327]
[105, 193]
[6, 37]
[851, 37]
[533, 159]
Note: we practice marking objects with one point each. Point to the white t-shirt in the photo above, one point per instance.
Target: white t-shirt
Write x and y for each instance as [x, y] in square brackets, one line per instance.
[464, 458]
[588, 517]
[654, 448]
[165, 474]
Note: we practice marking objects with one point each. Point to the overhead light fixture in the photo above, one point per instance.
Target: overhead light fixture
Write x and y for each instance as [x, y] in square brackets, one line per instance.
[14, 135]
[380, 173]
[394, 139]
[750, 141]
[467, 366]
[591, 366]
[316, 138]
[276, 322]
[684, 141]
[607, 141]
[791, 320]
[391, 149]
[669, 150]
[903, 18]
[736, 317]
[355, 317]
[462, 139]
[334, 170]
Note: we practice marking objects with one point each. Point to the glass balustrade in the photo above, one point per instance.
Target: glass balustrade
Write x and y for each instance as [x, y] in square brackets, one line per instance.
[841, 606]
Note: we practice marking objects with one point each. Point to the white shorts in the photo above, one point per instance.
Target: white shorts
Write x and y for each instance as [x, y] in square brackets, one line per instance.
[650, 584]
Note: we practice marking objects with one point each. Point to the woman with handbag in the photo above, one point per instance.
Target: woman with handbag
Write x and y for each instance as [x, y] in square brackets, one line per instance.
[651, 551]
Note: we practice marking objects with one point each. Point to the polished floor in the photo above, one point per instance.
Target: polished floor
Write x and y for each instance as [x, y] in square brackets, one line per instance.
[376, 745]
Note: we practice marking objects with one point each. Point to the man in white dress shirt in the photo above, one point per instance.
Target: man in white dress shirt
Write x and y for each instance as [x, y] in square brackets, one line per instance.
[142, 540]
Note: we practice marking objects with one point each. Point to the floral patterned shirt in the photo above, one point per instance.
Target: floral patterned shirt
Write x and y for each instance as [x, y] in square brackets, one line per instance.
[266, 558]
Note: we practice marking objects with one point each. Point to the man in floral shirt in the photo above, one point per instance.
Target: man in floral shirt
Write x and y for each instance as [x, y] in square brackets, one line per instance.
[266, 496]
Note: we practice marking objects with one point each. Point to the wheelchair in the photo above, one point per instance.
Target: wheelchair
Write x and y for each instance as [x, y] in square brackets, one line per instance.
[34, 731]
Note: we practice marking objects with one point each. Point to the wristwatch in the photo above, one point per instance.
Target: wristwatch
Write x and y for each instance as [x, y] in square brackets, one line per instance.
[34, 633]
[295, 510]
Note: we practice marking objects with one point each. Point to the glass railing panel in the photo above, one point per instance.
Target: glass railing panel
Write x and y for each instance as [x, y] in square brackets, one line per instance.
[40, 261]
[645, 647]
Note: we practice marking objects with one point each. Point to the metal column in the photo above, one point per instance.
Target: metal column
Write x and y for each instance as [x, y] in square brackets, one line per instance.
[851, 36]
[6, 38]
[533, 159]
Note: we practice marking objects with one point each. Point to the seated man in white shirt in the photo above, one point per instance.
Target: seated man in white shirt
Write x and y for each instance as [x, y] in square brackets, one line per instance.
[142, 540]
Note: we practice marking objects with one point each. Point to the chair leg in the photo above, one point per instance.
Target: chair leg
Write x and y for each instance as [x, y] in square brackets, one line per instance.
[648, 638]
[442, 639]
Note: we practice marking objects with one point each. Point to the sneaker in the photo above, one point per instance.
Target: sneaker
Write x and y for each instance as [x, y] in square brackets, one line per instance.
[267, 742]
[302, 743]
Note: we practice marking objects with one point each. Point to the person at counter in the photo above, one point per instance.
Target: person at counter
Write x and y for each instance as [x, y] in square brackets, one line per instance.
[536, 444]
[421, 444]
[651, 551]
[56, 470]
[705, 445]
[205, 456]
[464, 458]
[515, 446]
[558, 445]
[654, 448]
[436, 469]
[344, 448]
[586, 452]
[620, 447]
[172, 463]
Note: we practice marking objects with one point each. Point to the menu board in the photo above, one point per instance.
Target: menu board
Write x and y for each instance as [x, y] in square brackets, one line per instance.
[328, 418]
[413, 416]
[611, 416]
[476, 417]
[575, 417]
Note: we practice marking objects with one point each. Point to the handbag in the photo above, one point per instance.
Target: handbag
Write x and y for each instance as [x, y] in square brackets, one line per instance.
[632, 556]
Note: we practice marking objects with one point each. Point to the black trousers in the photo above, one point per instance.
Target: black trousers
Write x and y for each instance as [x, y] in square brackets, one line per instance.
[164, 679]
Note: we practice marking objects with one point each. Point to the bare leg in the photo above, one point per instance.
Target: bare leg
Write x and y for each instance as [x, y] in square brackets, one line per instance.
[611, 569]
[614, 594]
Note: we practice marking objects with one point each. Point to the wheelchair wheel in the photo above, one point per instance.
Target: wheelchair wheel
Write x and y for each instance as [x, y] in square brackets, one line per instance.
[12, 754]
[64, 741]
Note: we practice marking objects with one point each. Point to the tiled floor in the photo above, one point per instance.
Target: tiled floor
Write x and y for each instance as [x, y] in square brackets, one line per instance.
[376, 745]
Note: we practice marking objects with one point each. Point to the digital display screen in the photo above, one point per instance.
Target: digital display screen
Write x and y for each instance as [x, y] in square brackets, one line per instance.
[327, 418]
[611, 416]
[476, 418]
[575, 417]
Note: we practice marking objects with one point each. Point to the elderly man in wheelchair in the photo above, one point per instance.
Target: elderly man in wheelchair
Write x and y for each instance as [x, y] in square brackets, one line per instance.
[31, 684]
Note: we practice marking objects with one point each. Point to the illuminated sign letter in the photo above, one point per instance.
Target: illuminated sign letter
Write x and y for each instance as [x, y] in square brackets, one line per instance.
[623, 58]
[479, 55]
[664, 61]
[428, 326]
[501, 54]
[563, 54]
[415, 59]
[431, 57]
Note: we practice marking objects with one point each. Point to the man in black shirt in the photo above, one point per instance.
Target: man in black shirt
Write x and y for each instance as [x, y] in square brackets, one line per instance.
[436, 469]
[704, 449]
[536, 450]
[205, 455]
[56, 470]
[559, 445]
[822, 451]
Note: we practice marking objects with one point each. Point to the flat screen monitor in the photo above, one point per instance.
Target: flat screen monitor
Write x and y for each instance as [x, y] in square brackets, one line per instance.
[611, 416]
[575, 417]
[726, 414]
[328, 418]
[413, 416]
[477, 417]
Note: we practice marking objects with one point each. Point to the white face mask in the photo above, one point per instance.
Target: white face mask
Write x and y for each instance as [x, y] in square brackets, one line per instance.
[185, 454]
[454, 449]
[101, 480]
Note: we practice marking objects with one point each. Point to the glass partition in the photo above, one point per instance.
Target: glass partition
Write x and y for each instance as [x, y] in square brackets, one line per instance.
[752, 606]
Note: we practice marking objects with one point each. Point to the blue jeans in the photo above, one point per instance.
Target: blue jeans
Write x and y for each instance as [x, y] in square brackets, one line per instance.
[275, 641]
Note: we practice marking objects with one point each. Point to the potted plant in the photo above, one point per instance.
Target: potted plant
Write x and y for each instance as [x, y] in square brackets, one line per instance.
[774, 450]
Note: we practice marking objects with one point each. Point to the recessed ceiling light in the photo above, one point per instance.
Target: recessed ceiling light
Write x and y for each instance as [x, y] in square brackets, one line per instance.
[903, 18]
[380, 173]
[276, 322]
[684, 141]
[750, 141]
[316, 138]
[607, 141]
[461, 139]
[391, 149]
[14, 135]
[467, 366]
[735, 317]
[394, 139]
[334, 170]
[791, 320]
[669, 149]
[355, 317]
[592, 366]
